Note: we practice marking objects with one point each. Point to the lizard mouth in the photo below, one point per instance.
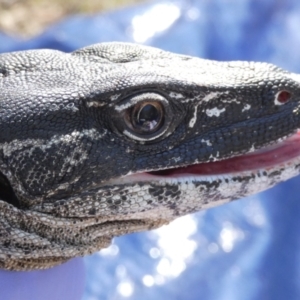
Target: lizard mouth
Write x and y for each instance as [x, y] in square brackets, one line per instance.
[263, 159]
[281, 155]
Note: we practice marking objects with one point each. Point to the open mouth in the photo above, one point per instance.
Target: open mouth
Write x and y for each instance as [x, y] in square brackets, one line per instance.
[281, 155]
[284, 154]
[263, 159]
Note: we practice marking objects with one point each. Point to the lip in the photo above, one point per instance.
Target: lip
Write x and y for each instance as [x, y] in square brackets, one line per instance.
[262, 159]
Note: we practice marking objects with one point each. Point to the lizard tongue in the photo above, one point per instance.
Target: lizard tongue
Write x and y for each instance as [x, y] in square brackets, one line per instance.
[261, 159]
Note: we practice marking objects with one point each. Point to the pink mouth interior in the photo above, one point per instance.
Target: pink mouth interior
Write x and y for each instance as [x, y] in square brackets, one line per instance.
[261, 159]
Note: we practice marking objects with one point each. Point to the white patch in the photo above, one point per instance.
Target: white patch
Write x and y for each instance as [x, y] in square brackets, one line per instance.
[230, 101]
[95, 104]
[176, 95]
[208, 143]
[115, 97]
[214, 95]
[252, 149]
[210, 96]
[176, 159]
[194, 118]
[212, 158]
[122, 107]
[246, 107]
[18, 145]
[214, 112]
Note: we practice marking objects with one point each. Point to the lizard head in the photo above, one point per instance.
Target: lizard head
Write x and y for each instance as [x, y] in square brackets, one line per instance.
[126, 133]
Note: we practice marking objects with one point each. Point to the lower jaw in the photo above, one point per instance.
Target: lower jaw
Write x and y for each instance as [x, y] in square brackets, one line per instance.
[203, 186]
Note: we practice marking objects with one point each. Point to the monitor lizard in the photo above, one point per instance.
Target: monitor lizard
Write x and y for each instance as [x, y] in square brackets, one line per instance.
[117, 138]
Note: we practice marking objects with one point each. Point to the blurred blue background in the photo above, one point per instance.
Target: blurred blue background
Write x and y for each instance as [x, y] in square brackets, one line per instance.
[248, 249]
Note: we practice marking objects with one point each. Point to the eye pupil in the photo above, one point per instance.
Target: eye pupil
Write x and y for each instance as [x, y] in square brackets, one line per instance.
[147, 117]
[147, 114]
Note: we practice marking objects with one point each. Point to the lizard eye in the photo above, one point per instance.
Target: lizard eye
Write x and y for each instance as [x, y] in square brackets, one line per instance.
[147, 117]
[143, 117]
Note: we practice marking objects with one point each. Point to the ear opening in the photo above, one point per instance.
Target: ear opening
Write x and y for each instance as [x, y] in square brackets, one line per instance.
[7, 193]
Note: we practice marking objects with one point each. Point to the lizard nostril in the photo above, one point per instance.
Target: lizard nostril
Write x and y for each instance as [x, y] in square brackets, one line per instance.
[282, 97]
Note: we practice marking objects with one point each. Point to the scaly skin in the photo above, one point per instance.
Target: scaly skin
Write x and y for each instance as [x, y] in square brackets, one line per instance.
[85, 137]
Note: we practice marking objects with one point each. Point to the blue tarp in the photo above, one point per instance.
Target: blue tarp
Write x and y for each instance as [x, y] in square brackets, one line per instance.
[248, 249]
